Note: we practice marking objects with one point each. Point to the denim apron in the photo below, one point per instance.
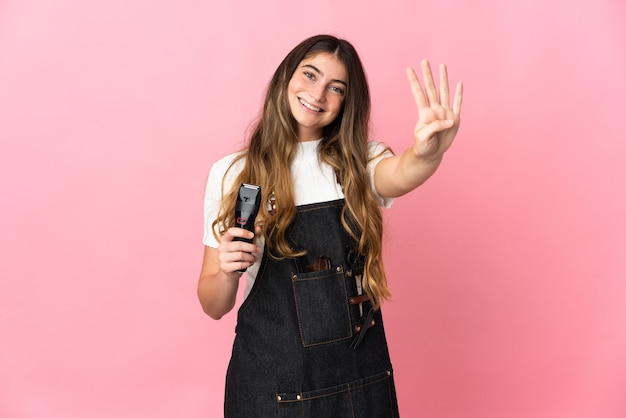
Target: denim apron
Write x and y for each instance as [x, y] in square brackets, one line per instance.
[308, 343]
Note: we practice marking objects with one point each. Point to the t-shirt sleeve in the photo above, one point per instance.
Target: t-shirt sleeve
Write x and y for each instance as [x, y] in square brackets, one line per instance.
[377, 153]
[213, 194]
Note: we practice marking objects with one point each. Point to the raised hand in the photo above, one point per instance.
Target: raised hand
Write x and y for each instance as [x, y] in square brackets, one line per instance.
[438, 120]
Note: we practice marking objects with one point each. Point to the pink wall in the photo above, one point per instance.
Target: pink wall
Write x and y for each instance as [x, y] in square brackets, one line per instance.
[507, 267]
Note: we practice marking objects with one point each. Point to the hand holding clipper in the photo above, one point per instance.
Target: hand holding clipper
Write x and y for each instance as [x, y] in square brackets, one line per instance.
[246, 210]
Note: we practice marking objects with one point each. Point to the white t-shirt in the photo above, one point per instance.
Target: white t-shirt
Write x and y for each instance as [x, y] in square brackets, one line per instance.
[314, 182]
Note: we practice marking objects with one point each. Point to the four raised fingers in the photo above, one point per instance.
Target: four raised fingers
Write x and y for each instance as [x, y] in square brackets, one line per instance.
[427, 96]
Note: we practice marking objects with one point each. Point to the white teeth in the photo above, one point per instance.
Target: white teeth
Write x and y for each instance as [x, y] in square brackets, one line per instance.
[310, 106]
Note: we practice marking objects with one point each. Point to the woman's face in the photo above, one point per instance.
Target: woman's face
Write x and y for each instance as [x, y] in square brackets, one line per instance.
[316, 93]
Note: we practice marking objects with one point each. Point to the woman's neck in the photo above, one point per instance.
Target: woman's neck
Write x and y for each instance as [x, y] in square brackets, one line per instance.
[305, 135]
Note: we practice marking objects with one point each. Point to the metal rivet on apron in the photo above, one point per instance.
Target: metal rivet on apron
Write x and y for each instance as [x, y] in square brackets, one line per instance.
[294, 276]
[349, 273]
[279, 398]
[339, 269]
[298, 397]
[357, 328]
[388, 373]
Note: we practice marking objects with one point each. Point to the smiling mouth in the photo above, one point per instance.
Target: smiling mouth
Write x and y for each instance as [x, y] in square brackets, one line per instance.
[310, 106]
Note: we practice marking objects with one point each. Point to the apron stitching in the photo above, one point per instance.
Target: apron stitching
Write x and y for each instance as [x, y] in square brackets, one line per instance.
[348, 387]
[350, 398]
[295, 298]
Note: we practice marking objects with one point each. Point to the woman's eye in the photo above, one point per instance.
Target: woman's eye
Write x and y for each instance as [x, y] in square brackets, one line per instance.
[308, 75]
[337, 90]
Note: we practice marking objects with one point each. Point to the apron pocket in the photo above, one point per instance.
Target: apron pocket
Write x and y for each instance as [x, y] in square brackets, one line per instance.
[371, 397]
[322, 306]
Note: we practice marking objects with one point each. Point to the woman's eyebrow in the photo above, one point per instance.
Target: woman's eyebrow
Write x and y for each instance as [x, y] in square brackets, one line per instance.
[321, 73]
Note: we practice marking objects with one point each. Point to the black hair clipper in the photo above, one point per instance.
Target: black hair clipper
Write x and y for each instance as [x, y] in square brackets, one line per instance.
[246, 209]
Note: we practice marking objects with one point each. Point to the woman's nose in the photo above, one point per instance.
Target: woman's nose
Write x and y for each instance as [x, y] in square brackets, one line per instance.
[318, 92]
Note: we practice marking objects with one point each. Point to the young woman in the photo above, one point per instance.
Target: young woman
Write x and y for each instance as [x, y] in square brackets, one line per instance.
[310, 339]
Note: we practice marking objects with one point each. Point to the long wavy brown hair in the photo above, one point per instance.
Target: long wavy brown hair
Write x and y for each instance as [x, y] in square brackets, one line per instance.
[272, 147]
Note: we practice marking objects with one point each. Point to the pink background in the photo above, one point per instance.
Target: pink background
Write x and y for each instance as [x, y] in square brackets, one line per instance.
[507, 267]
